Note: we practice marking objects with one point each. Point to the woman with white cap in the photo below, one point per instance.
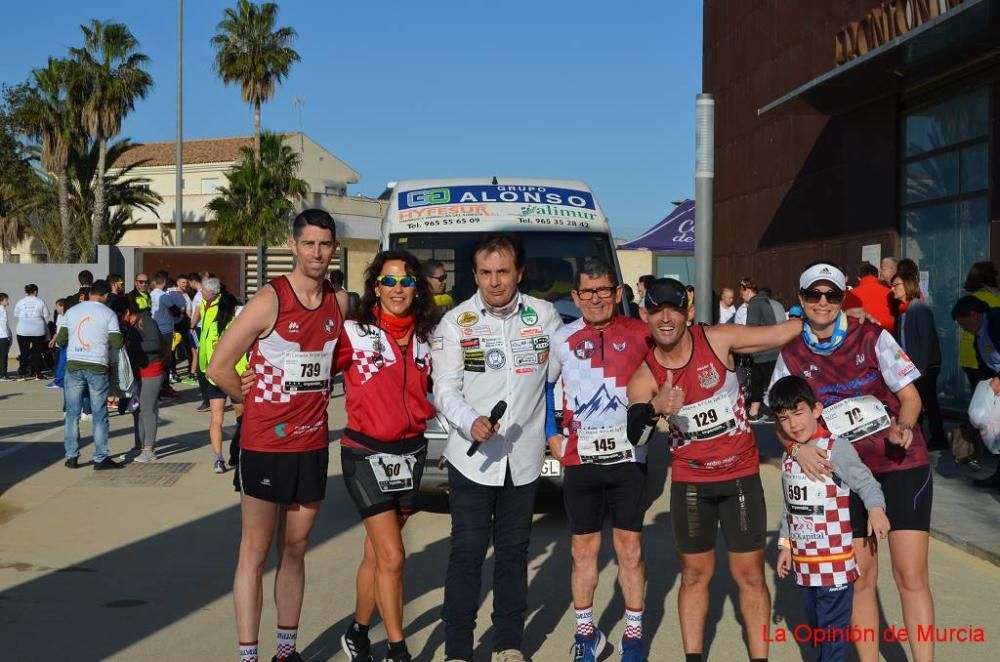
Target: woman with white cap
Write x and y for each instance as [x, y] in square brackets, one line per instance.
[866, 384]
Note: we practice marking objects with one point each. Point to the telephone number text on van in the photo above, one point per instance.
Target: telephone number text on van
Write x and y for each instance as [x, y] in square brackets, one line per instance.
[440, 222]
[564, 222]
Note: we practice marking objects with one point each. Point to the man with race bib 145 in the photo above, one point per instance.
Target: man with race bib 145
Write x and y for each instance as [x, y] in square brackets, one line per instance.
[689, 377]
[595, 356]
[291, 327]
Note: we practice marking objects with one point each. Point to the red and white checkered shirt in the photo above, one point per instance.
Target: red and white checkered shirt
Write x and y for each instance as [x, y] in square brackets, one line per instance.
[819, 525]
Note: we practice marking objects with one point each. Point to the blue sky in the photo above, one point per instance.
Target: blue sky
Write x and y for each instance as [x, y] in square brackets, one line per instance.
[598, 91]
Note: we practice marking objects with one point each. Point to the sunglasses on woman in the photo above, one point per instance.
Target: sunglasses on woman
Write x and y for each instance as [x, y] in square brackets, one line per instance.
[813, 296]
[388, 280]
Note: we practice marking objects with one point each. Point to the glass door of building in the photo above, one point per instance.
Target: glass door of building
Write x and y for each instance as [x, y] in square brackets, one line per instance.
[945, 210]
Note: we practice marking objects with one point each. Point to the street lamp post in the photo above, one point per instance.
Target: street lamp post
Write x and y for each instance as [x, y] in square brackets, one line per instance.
[179, 213]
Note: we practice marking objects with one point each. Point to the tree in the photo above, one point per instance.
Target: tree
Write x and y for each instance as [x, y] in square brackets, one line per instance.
[20, 187]
[124, 193]
[51, 116]
[257, 204]
[110, 79]
[252, 52]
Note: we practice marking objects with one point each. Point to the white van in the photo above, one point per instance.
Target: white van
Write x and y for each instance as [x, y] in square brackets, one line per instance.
[559, 222]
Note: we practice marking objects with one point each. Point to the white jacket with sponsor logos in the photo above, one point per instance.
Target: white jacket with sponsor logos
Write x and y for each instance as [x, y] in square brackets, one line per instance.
[479, 360]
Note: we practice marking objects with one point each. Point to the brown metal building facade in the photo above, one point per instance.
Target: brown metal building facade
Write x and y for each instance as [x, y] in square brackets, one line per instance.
[893, 146]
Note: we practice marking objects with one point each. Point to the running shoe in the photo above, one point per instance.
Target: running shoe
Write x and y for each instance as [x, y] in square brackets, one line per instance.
[203, 407]
[398, 657]
[52, 384]
[191, 380]
[587, 649]
[145, 456]
[509, 655]
[294, 657]
[631, 650]
[760, 419]
[220, 466]
[86, 417]
[355, 645]
[72, 463]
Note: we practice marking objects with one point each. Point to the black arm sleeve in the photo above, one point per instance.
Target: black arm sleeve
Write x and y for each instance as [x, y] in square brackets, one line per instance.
[640, 424]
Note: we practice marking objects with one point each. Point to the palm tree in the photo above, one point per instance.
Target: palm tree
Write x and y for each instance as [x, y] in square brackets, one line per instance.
[19, 186]
[124, 193]
[259, 199]
[252, 52]
[111, 78]
[52, 118]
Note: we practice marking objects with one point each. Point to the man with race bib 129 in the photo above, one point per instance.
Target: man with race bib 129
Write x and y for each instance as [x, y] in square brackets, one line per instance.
[595, 356]
[689, 377]
[291, 326]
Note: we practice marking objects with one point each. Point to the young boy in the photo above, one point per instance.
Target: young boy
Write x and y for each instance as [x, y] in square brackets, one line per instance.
[815, 537]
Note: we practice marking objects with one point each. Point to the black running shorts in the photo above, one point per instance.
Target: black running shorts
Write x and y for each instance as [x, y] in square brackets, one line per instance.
[363, 486]
[591, 490]
[908, 495]
[282, 477]
[737, 504]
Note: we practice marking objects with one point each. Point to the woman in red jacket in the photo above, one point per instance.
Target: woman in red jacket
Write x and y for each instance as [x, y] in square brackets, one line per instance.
[385, 357]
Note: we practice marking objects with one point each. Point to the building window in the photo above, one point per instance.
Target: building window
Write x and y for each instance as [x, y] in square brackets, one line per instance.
[335, 190]
[945, 212]
[209, 185]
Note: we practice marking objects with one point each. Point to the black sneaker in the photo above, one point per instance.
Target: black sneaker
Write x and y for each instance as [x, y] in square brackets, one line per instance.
[403, 656]
[356, 645]
[294, 657]
[107, 463]
[72, 463]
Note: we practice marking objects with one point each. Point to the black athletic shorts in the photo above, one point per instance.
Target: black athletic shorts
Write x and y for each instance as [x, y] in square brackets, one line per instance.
[697, 509]
[282, 477]
[363, 486]
[213, 392]
[908, 495]
[590, 490]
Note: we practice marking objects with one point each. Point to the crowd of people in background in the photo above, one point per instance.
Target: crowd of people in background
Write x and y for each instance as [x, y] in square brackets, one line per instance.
[160, 333]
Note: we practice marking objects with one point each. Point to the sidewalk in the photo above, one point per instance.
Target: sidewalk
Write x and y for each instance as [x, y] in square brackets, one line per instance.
[964, 516]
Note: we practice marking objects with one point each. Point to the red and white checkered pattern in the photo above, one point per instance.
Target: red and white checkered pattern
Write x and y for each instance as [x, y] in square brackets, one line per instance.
[835, 523]
[268, 385]
[369, 363]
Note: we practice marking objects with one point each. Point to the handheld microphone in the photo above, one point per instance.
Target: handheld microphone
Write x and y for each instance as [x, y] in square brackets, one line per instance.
[495, 414]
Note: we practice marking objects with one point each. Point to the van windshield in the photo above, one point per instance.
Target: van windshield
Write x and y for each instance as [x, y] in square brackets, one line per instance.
[551, 259]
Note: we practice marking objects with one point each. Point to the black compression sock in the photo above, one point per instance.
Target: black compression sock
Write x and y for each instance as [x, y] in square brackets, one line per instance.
[361, 629]
[397, 647]
[692, 657]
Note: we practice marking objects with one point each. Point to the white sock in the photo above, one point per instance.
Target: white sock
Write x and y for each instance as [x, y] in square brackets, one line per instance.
[286, 641]
[585, 621]
[248, 652]
[633, 624]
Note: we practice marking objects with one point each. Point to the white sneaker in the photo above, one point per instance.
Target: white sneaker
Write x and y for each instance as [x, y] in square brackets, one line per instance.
[509, 655]
[86, 417]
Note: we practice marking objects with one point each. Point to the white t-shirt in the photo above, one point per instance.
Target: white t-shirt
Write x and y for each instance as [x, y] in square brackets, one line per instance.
[196, 304]
[726, 313]
[32, 315]
[4, 329]
[741, 315]
[88, 325]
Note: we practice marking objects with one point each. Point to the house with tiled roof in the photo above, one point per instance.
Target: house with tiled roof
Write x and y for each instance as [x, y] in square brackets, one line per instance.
[206, 162]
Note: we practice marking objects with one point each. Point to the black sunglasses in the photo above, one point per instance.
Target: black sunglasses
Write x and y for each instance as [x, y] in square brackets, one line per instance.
[813, 296]
[442, 278]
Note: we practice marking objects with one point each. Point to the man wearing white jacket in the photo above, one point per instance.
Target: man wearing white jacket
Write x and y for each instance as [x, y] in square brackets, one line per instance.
[493, 347]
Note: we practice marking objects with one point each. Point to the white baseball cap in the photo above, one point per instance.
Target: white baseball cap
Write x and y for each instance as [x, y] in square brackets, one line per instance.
[823, 271]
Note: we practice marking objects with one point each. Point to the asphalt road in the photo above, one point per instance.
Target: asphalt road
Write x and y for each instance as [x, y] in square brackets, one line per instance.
[137, 564]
